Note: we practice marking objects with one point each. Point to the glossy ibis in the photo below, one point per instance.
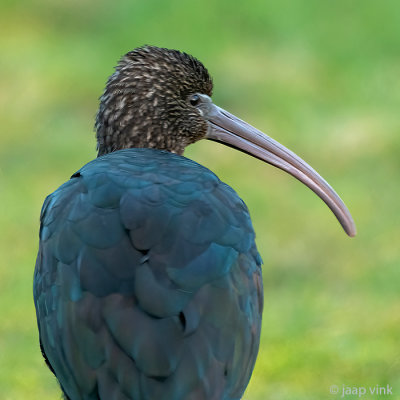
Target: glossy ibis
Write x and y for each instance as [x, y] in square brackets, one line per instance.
[148, 280]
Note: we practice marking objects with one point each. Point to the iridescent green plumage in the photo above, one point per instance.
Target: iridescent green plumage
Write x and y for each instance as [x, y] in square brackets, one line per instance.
[148, 281]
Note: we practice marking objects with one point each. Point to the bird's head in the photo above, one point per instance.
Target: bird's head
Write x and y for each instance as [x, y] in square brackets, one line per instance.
[161, 98]
[152, 100]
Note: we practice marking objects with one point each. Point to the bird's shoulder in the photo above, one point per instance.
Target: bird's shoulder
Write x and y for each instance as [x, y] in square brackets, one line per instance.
[137, 205]
[133, 188]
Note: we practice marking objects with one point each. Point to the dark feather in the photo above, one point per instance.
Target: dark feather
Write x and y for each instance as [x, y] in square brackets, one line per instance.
[148, 282]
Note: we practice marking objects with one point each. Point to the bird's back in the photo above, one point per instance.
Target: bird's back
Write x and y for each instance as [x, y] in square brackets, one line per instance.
[148, 282]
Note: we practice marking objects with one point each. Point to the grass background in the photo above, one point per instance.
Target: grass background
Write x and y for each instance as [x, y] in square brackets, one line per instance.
[322, 77]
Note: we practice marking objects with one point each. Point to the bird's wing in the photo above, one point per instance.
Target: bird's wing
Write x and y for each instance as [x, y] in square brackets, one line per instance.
[147, 282]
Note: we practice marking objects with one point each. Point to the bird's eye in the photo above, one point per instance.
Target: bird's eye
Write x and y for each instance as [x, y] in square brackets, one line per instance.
[194, 100]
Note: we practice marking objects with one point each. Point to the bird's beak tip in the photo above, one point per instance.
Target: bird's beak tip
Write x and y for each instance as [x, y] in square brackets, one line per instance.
[352, 231]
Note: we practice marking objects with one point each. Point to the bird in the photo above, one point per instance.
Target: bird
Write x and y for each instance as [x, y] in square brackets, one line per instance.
[148, 281]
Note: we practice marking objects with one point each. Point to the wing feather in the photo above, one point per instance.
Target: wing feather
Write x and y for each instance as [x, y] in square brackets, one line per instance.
[148, 282]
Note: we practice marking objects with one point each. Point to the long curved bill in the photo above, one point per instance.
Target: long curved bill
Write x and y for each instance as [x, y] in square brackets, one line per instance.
[228, 129]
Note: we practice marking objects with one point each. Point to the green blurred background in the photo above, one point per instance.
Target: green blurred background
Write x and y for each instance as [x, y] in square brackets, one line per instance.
[322, 77]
